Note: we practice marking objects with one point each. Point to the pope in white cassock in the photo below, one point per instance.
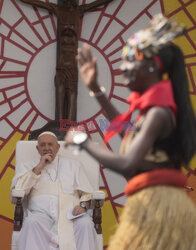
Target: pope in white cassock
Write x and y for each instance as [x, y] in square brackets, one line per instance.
[52, 185]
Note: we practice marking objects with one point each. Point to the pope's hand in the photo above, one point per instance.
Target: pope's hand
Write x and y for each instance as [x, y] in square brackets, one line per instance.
[78, 210]
[45, 159]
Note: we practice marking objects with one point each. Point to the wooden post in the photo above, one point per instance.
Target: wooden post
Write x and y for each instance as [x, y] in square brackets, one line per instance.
[97, 216]
[18, 215]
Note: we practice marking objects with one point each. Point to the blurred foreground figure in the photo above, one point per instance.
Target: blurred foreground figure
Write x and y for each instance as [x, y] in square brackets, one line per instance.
[158, 214]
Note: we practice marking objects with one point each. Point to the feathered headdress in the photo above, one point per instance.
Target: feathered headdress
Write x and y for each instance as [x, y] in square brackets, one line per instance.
[147, 42]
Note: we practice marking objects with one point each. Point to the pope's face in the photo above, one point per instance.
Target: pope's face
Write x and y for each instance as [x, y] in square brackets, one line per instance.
[47, 144]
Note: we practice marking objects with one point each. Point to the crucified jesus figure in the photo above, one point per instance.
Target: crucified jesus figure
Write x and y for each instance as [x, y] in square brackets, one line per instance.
[66, 79]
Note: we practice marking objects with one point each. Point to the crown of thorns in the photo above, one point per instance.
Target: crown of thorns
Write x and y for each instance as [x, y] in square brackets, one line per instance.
[147, 42]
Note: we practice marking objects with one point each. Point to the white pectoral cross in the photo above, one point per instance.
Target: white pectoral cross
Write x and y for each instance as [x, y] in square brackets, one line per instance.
[52, 170]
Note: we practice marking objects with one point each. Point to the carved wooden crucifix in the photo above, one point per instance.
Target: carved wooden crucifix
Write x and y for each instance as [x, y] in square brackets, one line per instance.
[68, 13]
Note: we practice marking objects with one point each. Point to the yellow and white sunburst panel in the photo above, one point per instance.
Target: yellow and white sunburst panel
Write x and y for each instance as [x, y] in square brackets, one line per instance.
[27, 92]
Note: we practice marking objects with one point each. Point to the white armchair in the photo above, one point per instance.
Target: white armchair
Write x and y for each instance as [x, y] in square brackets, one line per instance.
[25, 151]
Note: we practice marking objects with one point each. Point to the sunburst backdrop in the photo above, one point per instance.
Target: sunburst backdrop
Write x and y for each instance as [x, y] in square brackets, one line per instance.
[27, 69]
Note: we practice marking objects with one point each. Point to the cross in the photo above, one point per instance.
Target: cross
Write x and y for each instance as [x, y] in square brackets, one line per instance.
[68, 13]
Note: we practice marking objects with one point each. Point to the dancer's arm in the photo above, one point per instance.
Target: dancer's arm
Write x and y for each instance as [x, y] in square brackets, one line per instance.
[88, 72]
[157, 124]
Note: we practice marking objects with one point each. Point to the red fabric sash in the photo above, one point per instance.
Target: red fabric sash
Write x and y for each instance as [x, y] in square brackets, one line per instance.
[160, 94]
[169, 177]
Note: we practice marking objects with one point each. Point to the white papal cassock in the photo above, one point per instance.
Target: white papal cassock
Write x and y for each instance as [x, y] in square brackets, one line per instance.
[48, 197]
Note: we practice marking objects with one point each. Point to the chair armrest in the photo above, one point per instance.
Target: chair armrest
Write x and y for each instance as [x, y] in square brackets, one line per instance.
[98, 198]
[98, 195]
[17, 193]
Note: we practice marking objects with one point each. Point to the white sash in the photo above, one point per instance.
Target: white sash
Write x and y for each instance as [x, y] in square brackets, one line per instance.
[65, 226]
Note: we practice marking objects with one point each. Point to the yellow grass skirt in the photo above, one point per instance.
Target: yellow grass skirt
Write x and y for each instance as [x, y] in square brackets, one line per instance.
[157, 218]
